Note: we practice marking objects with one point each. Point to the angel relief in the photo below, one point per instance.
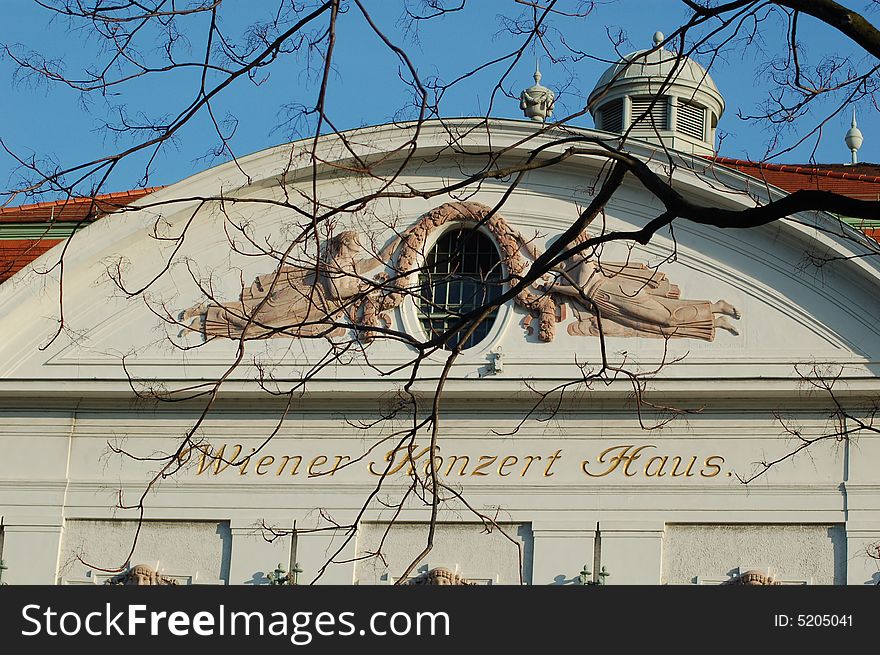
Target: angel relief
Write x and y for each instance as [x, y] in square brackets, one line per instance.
[635, 300]
[350, 288]
[295, 300]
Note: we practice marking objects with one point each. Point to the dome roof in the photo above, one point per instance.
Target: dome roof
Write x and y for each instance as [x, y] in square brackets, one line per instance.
[655, 66]
[659, 96]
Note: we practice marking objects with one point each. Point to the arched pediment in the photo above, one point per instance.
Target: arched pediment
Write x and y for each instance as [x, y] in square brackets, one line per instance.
[213, 254]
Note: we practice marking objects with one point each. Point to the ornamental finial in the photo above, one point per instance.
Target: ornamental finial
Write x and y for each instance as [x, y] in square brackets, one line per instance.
[854, 139]
[537, 101]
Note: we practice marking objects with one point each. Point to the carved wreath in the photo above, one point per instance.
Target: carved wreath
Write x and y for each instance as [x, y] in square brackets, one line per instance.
[510, 242]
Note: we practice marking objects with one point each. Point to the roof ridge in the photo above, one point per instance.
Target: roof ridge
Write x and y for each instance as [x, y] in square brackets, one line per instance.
[801, 169]
[78, 200]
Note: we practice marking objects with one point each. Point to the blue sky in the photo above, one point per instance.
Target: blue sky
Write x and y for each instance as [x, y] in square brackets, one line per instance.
[52, 122]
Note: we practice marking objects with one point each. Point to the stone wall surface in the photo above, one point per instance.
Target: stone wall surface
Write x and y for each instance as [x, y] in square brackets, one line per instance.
[465, 548]
[795, 553]
[197, 551]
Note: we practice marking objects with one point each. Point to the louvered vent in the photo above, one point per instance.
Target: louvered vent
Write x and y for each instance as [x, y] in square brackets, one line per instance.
[691, 120]
[658, 115]
[611, 117]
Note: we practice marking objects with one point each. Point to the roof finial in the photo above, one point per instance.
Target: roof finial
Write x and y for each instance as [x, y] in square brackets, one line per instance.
[854, 139]
[537, 101]
[658, 38]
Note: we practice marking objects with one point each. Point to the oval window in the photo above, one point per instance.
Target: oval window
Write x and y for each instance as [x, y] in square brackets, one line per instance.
[462, 273]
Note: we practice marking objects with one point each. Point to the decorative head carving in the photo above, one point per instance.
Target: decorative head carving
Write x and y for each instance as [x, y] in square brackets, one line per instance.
[141, 574]
[753, 578]
[346, 244]
[441, 576]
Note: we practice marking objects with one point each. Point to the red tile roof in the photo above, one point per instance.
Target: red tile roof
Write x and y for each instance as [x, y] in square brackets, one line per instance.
[73, 209]
[15, 254]
[860, 181]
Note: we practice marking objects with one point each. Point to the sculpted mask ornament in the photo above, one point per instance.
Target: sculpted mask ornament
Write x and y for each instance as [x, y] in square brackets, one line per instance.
[753, 578]
[350, 288]
[141, 575]
[441, 576]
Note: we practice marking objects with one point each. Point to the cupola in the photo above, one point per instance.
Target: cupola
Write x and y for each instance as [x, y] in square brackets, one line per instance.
[664, 97]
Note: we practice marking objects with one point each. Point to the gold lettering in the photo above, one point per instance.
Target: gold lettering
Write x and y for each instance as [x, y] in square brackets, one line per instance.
[614, 462]
[531, 459]
[490, 459]
[338, 462]
[268, 460]
[660, 472]
[510, 460]
[686, 473]
[220, 462]
[709, 463]
[453, 459]
[412, 460]
[635, 455]
[315, 462]
[244, 464]
[553, 459]
[408, 458]
[616, 458]
[438, 462]
[390, 457]
[286, 459]
[204, 461]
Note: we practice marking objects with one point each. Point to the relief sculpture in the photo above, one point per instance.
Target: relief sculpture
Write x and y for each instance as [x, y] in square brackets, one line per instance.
[141, 575]
[348, 287]
[635, 300]
[753, 579]
[294, 301]
[441, 576]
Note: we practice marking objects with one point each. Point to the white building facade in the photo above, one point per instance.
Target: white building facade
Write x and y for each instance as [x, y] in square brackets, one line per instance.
[647, 485]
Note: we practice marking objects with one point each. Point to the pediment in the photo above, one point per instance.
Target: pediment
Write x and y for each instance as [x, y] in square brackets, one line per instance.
[705, 302]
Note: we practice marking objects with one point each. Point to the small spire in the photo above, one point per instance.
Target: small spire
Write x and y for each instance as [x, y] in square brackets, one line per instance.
[537, 101]
[854, 139]
[658, 38]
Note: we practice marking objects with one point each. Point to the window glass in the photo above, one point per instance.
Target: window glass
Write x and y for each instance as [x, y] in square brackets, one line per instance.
[462, 273]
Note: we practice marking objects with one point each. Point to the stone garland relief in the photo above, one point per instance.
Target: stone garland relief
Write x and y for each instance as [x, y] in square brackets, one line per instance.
[325, 300]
